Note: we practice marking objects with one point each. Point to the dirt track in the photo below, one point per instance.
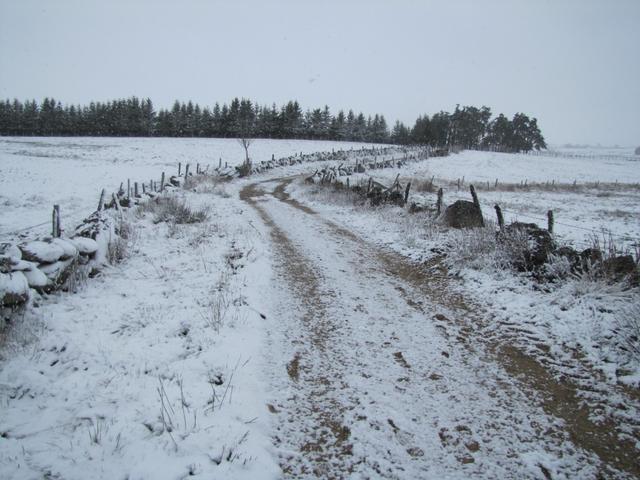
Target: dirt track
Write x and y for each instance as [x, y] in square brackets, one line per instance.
[386, 378]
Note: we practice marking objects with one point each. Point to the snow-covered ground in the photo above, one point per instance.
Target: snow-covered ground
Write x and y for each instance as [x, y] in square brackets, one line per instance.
[36, 173]
[153, 370]
[605, 199]
[271, 340]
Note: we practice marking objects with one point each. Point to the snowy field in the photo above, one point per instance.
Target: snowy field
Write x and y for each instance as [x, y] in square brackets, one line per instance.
[235, 347]
[604, 200]
[36, 173]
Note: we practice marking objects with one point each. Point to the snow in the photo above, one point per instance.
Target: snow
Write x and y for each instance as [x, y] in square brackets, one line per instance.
[10, 251]
[13, 284]
[70, 250]
[40, 251]
[35, 277]
[86, 246]
[476, 166]
[267, 331]
[87, 404]
[36, 173]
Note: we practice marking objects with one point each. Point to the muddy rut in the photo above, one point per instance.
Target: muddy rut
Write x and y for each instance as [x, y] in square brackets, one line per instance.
[384, 374]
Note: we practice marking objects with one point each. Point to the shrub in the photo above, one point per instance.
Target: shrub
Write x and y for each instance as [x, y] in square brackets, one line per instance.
[171, 209]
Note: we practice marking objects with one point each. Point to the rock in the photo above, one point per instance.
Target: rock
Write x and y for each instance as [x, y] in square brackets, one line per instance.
[23, 265]
[58, 272]
[419, 203]
[571, 255]
[589, 258]
[41, 252]
[36, 279]
[86, 246]
[11, 251]
[70, 250]
[620, 267]
[14, 289]
[539, 245]
[463, 214]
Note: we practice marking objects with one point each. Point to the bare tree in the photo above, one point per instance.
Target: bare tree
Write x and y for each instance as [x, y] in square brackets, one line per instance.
[245, 168]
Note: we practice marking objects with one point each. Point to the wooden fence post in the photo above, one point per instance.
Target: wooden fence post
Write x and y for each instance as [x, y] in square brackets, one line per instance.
[500, 217]
[101, 201]
[406, 193]
[162, 180]
[55, 230]
[186, 171]
[116, 202]
[476, 202]
[550, 221]
[439, 202]
[128, 188]
[135, 190]
[179, 168]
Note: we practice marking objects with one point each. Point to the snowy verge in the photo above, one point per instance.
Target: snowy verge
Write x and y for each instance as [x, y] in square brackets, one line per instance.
[152, 370]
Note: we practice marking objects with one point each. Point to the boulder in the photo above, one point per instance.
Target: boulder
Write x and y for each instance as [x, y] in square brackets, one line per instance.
[589, 258]
[23, 265]
[463, 214]
[41, 252]
[58, 272]
[36, 279]
[86, 246]
[539, 245]
[571, 255]
[620, 267]
[14, 289]
[70, 250]
[10, 251]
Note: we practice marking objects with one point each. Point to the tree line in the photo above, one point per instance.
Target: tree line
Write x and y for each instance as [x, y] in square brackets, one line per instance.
[466, 127]
[472, 128]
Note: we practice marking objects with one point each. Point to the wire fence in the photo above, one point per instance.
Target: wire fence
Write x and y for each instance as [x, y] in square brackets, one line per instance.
[594, 232]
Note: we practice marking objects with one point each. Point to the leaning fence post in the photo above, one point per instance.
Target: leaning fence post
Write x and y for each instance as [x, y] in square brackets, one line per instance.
[550, 221]
[500, 217]
[101, 201]
[476, 202]
[116, 202]
[55, 230]
[406, 193]
[474, 195]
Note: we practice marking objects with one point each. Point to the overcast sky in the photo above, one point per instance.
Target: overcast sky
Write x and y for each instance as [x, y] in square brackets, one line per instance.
[575, 65]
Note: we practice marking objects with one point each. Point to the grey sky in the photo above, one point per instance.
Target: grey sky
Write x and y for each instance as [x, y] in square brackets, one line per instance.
[575, 65]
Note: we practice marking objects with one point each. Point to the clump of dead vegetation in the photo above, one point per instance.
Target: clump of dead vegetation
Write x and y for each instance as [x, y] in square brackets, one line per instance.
[174, 210]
